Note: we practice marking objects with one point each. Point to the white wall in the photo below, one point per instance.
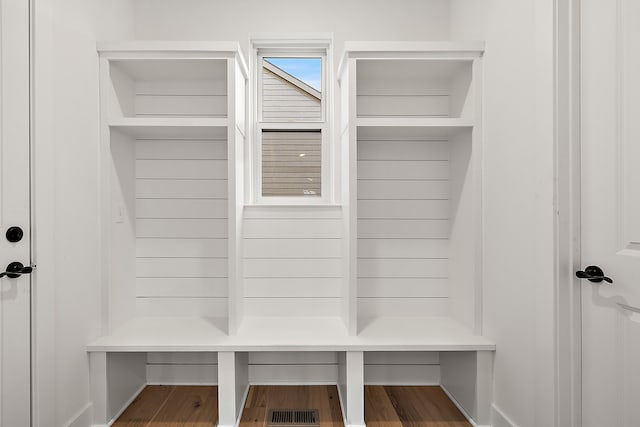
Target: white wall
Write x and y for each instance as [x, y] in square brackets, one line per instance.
[236, 20]
[67, 246]
[518, 153]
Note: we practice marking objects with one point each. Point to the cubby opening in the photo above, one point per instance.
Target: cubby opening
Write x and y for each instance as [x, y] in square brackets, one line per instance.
[168, 88]
[416, 247]
[168, 224]
[414, 88]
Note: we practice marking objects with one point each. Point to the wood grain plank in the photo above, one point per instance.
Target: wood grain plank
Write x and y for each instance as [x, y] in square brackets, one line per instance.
[142, 410]
[378, 410]
[425, 407]
[194, 406]
[261, 399]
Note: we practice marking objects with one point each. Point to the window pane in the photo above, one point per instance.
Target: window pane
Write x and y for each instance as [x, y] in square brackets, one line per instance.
[291, 163]
[291, 89]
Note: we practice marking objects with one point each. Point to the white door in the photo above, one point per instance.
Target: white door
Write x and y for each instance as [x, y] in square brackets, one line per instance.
[15, 293]
[611, 211]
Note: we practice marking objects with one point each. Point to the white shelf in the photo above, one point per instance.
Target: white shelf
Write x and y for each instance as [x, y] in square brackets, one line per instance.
[169, 334]
[410, 128]
[183, 127]
[425, 122]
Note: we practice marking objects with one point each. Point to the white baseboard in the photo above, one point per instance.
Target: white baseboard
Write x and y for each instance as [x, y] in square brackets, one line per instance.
[83, 418]
[499, 419]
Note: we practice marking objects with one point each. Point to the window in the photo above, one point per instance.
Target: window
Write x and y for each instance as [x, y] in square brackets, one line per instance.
[290, 150]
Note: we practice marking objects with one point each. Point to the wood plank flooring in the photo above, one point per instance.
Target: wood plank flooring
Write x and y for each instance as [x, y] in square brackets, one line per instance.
[172, 406]
[261, 399]
[410, 406]
[385, 406]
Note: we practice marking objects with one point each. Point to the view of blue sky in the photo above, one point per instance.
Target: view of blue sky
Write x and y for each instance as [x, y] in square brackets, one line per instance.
[306, 69]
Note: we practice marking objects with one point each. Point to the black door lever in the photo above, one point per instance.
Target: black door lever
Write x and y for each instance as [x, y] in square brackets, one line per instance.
[17, 269]
[594, 274]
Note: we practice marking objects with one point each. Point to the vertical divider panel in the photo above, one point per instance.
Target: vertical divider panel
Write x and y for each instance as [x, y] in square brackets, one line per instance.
[105, 198]
[237, 81]
[232, 175]
[349, 144]
[351, 387]
[233, 384]
[477, 154]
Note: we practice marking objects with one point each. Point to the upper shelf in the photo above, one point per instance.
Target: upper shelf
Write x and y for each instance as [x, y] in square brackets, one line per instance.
[169, 80]
[419, 80]
[292, 334]
[422, 129]
[180, 127]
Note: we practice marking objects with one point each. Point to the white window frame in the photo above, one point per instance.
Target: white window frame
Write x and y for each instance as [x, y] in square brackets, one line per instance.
[288, 47]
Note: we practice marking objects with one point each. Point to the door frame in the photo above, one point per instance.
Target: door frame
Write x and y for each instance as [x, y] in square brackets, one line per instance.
[567, 204]
[43, 332]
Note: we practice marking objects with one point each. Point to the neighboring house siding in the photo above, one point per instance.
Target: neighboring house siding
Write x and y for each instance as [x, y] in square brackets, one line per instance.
[282, 100]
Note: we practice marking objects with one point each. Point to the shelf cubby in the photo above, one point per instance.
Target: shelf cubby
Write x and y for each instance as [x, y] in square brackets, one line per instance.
[411, 137]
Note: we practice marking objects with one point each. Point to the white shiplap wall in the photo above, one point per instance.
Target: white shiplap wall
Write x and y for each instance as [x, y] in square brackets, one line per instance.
[181, 227]
[149, 88]
[292, 261]
[410, 88]
[403, 227]
[386, 368]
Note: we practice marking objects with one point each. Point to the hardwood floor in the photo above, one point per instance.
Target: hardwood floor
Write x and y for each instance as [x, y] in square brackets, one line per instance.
[409, 406]
[172, 406]
[385, 406]
[261, 399]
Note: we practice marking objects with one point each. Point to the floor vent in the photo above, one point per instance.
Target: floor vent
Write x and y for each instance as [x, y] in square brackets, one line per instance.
[293, 417]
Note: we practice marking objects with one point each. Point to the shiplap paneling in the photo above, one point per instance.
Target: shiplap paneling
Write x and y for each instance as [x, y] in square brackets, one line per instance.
[293, 263]
[293, 267]
[283, 100]
[171, 149]
[181, 248]
[408, 88]
[181, 228]
[292, 287]
[292, 228]
[293, 248]
[295, 367]
[181, 267]
[181, 189]
[177, 374]
[414, 105]
[193, 98]
[181, 287]
[293, 306]
[403, 229]
[182, 368]
[402, 306]
[181, 169]
[181, 208]
[182, 306]
[402, 287]
[169, 228]
[403, 169]
[402, 374]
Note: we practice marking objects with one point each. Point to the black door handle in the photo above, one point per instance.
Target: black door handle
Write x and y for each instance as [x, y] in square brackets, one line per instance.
[594, 274]
[17, 269]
